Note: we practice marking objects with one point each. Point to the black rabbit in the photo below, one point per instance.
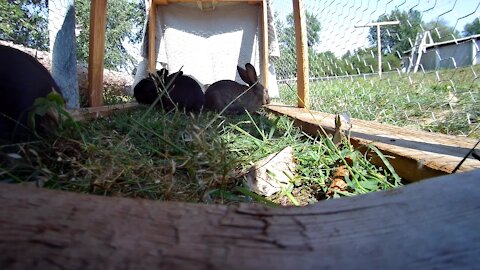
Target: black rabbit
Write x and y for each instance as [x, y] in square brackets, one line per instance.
[22, 80]
[182, 91]
[220, 94]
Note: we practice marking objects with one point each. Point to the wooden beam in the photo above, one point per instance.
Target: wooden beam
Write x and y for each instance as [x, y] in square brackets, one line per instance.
[98, 22]
[429, 225]
[265, 43]
[301, 42]
[152, 67]
[101, 111]
[415, 155]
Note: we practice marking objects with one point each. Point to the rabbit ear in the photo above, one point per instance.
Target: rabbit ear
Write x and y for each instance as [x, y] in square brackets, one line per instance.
[251, 73]
[243, 74]
[162, 73]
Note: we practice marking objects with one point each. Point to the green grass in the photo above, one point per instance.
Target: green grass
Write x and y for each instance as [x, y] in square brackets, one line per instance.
[192, 158]
[438, 102]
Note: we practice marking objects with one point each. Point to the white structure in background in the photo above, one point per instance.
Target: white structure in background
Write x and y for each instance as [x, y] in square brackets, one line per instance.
[61, 28]
[428, 55]
[208, 43]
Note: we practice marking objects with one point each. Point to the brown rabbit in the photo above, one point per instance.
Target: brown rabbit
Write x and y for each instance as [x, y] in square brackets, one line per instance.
[220, 94]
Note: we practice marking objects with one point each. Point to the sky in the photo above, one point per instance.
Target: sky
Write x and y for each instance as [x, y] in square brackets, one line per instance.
[339, 17]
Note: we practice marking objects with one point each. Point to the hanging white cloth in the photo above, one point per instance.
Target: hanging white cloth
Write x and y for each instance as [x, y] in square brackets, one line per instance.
[208, 43]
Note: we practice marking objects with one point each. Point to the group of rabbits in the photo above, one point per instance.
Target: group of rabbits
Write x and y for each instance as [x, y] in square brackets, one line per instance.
[183, 92]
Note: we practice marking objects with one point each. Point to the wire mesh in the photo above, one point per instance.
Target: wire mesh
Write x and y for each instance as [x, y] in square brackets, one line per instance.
[429, 60]
[429, 74]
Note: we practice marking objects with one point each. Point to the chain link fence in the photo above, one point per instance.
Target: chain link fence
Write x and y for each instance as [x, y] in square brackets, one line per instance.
[429, 54]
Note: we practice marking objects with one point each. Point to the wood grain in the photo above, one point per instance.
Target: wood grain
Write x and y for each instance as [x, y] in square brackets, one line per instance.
[301, 42]
[98, 20]
[264, 49]
[432, 224]
[152, 56]
[414, 154]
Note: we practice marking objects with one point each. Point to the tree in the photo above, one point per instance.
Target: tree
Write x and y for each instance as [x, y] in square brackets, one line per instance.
[287, 34]
[441, 31]
[286, 67]
[398, 37]
[25, 22]
[472, 28]
[124, 23]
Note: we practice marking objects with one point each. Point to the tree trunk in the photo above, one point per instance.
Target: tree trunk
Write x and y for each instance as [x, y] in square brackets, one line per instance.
[426, 225]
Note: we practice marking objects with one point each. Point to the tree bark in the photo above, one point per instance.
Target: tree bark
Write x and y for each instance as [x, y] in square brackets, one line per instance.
[426, 225]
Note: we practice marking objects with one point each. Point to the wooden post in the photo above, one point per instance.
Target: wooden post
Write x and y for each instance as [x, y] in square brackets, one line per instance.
[265, 43]
[151, 37]
[98, 22]
[302, 53]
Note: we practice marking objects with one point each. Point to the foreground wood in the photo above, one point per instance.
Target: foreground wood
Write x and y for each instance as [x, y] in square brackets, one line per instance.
[426, 225]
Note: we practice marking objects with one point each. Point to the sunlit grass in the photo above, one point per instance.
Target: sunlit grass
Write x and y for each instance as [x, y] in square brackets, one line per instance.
[446, 101]
[186, 157]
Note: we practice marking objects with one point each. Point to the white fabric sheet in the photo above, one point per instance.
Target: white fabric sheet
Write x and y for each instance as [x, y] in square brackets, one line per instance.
[208, 44]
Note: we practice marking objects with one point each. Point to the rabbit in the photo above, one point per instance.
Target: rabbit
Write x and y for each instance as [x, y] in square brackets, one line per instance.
[222, 93]
[22, 80]
[184, 91]
[145, 92]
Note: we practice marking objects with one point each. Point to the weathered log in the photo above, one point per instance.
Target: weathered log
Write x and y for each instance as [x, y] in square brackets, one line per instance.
[426, 225]
[117, 81]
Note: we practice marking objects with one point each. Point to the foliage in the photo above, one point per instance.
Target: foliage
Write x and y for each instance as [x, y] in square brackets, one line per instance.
[195, 158]
[472, 28]
[397, 37]
[446, 101]
[124, 23]
[286, 38]
[441, 31]
[25, 22]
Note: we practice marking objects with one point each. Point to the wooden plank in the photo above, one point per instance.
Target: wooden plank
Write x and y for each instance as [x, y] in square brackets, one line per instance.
[415, 155]
[302, 53]
[432, 224]
[152, 57]
[101, 111]
[98, 21]
[265, 44]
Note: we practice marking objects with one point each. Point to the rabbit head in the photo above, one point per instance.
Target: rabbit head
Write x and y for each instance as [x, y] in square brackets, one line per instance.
[249, 76]
[234, 98]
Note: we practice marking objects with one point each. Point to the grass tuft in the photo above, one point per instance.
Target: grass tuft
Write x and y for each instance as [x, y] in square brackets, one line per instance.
[146, 153]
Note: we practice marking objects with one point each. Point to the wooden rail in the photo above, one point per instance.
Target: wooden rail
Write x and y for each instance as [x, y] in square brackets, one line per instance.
[100, 111]
[415, 155]
[432, 224]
